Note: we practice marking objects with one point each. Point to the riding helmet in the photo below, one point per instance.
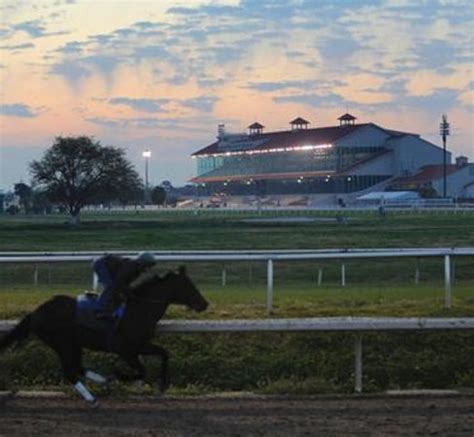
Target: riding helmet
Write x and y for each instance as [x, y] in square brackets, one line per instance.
[146, 258]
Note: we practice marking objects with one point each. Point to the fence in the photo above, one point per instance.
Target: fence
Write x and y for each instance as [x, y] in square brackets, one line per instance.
[418, 206]
[269, 257]
[358, 325]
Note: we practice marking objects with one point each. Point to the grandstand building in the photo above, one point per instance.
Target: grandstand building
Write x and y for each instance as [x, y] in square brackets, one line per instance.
[344, 158]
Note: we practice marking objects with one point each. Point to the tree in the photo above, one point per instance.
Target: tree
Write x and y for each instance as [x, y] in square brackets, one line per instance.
[41, 203]
[25, 193]
[77, 171]
[158, 195]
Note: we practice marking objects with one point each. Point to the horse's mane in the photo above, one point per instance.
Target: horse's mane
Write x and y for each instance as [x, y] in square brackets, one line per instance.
[152, 281]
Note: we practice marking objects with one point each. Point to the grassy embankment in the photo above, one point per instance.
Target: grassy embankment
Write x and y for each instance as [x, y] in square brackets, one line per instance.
[284, 362]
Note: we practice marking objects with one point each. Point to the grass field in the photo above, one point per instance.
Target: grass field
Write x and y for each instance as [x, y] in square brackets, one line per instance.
[156, 231]
[284, 363]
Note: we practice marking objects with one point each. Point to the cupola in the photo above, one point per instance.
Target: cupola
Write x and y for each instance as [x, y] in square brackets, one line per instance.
[346, 120]
[299, 124]
[255, 128]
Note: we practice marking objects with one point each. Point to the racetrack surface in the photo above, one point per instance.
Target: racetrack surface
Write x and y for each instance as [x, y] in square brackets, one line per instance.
[241, 416]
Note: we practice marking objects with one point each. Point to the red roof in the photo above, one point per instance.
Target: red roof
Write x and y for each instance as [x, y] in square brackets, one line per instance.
[272, 140]
[426, 174]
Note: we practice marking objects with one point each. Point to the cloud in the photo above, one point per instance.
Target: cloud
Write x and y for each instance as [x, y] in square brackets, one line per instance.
[203, 103]
[151, 51]
[440, 101]
[145, 105]
[106, 64]
[209, 82]
[318, 101]
[435, 54]
[281, 85]
[71, 70]
[211, 10]
[5, 32]
[17, 110]
[35, 29]
[338, 49]
[23, 46]
[72, 47]
[141, 122]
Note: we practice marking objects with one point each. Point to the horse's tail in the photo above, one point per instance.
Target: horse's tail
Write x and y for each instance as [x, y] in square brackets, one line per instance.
[17, 334]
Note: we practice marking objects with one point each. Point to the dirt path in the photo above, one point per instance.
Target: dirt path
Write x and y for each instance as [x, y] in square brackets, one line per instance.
[332, 416]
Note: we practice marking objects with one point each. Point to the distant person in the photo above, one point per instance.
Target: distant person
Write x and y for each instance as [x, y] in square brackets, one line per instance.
[115, 274]
[382, 212]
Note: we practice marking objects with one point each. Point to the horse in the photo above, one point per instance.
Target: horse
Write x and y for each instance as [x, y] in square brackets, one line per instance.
[56, 324]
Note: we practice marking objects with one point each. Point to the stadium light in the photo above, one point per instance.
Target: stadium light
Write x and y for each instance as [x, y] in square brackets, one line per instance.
[444, 132]
[147, 155]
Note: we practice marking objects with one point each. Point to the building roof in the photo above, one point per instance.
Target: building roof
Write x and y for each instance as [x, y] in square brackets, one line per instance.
[272, 140]
[299, 120]
[347, 116]
[256, 125]
[427, 173]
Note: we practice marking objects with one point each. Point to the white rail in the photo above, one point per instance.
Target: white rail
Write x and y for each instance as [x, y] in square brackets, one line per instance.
[322, 324]
[260, 255]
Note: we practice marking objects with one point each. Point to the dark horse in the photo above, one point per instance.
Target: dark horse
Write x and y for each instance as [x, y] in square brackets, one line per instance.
[54, 322]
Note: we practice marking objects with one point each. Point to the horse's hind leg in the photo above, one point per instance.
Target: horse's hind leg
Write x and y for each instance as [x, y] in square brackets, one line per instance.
[70, 355]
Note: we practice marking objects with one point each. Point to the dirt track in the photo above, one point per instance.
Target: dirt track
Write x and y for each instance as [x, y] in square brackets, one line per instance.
[336, 416]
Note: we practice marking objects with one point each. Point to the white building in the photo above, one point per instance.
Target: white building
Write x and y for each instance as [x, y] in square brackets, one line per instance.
[345, 158]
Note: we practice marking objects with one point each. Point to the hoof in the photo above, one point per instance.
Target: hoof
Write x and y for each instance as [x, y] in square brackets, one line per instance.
[94, 403]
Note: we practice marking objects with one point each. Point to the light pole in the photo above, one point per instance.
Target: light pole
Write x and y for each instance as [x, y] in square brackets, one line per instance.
[147, 155]
[444, 132]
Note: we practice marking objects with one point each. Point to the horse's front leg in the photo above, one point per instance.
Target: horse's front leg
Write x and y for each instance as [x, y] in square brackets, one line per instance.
[133, 361]
[153, 349]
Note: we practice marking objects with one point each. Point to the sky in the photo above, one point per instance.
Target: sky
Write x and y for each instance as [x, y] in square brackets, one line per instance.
[161, 75]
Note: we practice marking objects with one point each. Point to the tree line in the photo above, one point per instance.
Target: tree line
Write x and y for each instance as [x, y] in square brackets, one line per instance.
[79, 171]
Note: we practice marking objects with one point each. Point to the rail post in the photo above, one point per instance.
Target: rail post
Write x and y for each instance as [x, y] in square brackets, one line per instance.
[358, 363]
[447, 281]
[35, 276]
[224, 276]
[269, 285]
[320, 277]
[417, 272]
[343, 274]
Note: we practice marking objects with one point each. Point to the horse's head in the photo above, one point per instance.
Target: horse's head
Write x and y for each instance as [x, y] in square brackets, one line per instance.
[184, 292]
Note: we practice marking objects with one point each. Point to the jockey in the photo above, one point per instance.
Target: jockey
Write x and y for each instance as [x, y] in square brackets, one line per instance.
[116, 273]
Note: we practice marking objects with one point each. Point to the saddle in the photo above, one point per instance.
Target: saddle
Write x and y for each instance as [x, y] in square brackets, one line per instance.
[90, 313]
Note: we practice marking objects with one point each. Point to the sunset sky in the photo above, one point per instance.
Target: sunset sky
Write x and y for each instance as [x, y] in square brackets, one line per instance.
[163, 74]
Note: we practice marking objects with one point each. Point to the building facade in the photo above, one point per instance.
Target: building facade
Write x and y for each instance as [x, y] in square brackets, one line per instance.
[429, 180]
[344, 158]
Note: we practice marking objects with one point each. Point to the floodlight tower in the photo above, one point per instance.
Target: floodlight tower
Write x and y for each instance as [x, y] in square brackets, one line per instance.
[147, 155]
[444, 132]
